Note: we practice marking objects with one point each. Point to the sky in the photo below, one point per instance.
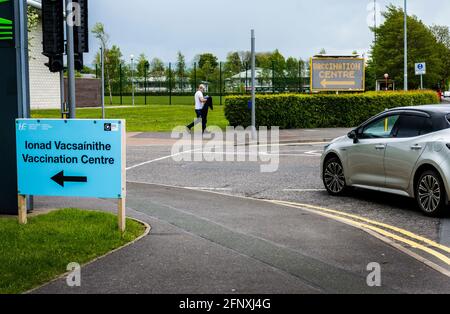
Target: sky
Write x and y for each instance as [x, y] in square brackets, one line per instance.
[297, 28]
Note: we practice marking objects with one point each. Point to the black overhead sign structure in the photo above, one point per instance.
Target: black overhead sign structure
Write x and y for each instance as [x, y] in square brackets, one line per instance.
[13, 94]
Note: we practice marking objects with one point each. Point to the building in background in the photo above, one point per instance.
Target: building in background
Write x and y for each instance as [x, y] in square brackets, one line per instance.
[44, 85]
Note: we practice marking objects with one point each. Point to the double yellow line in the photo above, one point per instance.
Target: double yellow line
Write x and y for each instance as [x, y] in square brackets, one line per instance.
[385, 230]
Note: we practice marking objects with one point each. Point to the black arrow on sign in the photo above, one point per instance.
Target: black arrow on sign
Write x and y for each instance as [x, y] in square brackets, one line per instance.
[60, 178]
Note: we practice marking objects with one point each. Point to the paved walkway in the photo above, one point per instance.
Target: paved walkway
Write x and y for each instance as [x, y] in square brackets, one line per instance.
[209, 243]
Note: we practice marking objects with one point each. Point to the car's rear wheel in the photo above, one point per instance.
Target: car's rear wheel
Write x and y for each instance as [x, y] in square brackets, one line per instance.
[430, 193]
[333, 177]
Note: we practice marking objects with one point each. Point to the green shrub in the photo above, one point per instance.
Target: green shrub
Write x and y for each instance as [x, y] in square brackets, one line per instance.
[290, 111]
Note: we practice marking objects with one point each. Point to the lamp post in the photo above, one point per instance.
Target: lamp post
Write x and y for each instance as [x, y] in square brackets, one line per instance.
[132, 79]
[406, 48]
[102, 49]
[386, 77]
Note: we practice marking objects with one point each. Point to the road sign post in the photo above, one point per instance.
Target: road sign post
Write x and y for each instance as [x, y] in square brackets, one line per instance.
[337, 74]
[72, 158]
[421, 70]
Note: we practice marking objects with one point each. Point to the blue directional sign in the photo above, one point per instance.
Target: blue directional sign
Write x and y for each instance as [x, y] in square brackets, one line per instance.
[421, 68]
[73, 158]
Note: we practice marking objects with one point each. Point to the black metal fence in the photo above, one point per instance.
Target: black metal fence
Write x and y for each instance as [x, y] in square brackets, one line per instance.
[172, 80]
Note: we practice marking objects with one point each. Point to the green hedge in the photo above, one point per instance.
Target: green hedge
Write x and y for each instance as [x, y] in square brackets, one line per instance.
[289, 111]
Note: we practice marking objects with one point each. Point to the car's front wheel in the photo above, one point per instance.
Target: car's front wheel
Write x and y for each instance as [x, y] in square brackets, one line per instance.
[333, 177]
[430, 193]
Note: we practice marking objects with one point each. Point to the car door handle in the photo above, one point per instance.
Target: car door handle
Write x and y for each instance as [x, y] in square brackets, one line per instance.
[380, 147]
[416, 147]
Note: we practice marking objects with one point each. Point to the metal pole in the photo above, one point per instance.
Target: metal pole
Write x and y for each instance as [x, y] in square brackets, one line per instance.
[145, 87]
[170, 83]
[23, 76]
[421, 81]
[102, 49]
[273, 77]
[253, 87]
[195, 76]
[120, 84]
[132, 79]
[62, 93]
[246, 77]
[220, 82]
[406, 49]
[376, 38]
[70, 61]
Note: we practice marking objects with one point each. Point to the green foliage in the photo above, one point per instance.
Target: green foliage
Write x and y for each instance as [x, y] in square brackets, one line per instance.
[33, 254]
[142, 66]
[388, 52]
[32, 22]
[319, 111]
[151, 118]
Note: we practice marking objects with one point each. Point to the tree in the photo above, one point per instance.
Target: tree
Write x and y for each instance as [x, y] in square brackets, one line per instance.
[207, 58]
[181, 69]
[233, 65]
[207, 65]
[279, 63]
[245, 59]
[292, 67]
[388, 51]
[442, 35]
[157, 69]
[113, 59]
[32, 21]
[142, 66]
[99, 32]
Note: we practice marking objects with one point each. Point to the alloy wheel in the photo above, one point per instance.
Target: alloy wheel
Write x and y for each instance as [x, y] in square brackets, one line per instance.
[429, 193]
[334, 177]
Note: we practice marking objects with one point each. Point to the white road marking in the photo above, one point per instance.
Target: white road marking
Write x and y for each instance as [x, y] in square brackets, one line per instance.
[206, 189]
[304, 190]
[162, 158]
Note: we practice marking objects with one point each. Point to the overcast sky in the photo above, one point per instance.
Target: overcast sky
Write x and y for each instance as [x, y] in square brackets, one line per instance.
[297, 28]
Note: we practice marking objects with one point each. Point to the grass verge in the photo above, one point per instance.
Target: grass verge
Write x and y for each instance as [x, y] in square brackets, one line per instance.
[36, 253]
[145, 118]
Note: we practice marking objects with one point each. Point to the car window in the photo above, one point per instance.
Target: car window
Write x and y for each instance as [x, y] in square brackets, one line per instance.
[381, 128]
[412, 126]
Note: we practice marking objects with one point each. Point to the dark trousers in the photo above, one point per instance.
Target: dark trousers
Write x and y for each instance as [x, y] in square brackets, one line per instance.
[202, 115]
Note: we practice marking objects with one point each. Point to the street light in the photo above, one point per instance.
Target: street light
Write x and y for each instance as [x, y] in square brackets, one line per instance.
[132, 78]
[386, 77]
[406, 49]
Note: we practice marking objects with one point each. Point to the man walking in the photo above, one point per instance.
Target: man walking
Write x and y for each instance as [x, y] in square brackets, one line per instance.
[200, 101]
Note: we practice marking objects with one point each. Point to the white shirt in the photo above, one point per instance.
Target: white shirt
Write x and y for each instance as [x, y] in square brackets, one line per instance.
[198, 100]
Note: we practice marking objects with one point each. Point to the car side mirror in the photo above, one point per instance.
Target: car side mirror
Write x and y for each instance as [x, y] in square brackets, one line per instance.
[353, 136]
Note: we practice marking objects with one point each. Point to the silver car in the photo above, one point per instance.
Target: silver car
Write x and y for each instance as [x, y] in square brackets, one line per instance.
[405, 151]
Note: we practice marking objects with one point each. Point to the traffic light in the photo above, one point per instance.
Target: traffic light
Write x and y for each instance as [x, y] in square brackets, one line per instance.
[55, 63]
[53, 33]
[81, 34]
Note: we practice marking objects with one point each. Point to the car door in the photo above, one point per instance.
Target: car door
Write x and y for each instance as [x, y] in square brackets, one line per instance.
[365, 159]
[405, 149]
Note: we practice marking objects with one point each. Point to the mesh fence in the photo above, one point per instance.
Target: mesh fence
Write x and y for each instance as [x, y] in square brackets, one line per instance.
[172, 80]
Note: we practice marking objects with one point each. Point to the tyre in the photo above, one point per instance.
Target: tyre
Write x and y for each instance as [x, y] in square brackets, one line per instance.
[333, 177]
[431, 194]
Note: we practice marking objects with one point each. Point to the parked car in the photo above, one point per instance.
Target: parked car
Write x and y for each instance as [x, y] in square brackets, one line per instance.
[447, 94]
[405, 151]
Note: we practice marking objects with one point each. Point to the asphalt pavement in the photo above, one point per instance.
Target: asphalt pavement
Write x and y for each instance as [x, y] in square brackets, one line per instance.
[244, 240]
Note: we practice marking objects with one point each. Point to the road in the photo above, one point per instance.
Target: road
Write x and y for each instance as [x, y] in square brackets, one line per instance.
[225, 227]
